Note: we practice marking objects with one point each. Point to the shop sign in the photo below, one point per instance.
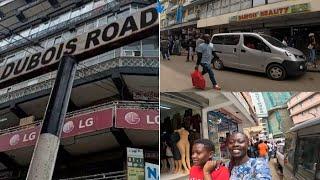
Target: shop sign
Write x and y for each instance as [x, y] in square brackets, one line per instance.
[146, 119]
[272, 12]
[76, 125]
[152, 171]
[86, 45]
[135, 163]
[259, 104]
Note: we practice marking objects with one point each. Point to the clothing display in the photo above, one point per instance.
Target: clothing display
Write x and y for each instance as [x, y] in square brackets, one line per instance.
[184, 148]
[174, 139]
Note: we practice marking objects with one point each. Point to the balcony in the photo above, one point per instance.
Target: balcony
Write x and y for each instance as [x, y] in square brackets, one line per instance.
[191, 17]
[172, 22]
[47, 81]
[73, 22]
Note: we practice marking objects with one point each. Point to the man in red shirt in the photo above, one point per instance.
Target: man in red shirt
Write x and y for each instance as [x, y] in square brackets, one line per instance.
[202, 153]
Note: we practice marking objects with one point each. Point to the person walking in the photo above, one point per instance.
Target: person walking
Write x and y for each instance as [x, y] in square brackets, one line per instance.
[198, 42]
[312, 48]
[206, 50]
[190, 49]
[263, 150]
[164, 48]
[285, 41]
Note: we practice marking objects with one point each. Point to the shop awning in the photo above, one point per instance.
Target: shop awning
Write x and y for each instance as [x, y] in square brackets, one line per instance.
[309, 123]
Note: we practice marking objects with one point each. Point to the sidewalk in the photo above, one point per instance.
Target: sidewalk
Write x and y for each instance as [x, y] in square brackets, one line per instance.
[312, 68]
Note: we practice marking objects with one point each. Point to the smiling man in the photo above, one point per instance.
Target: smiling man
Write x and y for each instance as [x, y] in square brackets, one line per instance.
[202, 153]
[242, 167]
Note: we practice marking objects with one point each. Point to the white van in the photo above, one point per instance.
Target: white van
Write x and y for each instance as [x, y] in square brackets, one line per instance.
[259, 53]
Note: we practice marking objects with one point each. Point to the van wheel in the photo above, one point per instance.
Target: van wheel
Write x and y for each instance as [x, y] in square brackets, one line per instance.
[217, 64]
[276, 72]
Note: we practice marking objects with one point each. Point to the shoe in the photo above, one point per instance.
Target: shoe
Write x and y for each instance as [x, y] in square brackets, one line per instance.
[216, 87]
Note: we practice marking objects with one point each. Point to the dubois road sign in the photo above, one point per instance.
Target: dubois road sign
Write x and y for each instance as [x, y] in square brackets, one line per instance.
[124, 31]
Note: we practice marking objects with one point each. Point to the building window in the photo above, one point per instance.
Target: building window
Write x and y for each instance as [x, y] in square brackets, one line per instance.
[308, 155]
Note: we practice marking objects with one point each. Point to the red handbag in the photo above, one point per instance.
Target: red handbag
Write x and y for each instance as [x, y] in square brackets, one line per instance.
[198, 80]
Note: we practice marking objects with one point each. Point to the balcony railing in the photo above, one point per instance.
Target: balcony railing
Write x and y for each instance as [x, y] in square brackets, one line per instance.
[61, 26]
[151, 62]
[110, 175]
[113, 104]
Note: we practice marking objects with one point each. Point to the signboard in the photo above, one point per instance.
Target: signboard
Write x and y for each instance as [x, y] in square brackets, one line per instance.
[135, 163]
[146, 119]
[124, 31]
[82, 123]
[298, 8]
[152, 171]
[259, 104]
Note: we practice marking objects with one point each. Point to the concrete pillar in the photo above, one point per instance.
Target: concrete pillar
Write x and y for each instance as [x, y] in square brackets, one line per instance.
[47, 146]
[205, 133]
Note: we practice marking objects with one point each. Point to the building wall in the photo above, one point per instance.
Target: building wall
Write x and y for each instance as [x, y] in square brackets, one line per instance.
[279, 122]
[274, 99]
[304, 106]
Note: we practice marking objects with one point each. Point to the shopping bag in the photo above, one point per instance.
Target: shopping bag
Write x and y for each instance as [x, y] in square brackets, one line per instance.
[198, 80]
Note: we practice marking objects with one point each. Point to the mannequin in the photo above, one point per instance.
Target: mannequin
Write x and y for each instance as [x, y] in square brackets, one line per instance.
[184, 148]
[175, 137]
[169, 155]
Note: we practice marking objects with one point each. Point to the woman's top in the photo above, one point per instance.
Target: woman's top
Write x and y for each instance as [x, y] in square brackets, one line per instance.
[253, 169]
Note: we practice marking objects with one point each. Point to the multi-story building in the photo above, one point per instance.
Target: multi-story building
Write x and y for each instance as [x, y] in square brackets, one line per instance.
[278, 18]
[303, 147]
[106, 88]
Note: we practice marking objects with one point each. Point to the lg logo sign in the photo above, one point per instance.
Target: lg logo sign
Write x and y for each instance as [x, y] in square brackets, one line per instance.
[70, 126]
[134, 118]
[15, 139]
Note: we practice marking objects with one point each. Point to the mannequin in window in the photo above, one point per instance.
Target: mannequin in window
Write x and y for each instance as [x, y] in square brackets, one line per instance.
[184, 148]
[175, 137]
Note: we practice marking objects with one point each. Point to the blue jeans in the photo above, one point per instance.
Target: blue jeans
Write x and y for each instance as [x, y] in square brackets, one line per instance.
[206, 68]
[312, 55]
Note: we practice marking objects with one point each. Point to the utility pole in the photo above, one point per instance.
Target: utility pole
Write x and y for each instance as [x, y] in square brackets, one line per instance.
[47, 146]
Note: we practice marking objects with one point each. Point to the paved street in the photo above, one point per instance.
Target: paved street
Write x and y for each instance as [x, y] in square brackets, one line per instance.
[175, 76]
[275, 172]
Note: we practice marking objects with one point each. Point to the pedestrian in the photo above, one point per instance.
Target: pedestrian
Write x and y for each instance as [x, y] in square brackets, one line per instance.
[206, 49]
[164, 48]
[251, 150]
[191, 47]
[202, 154]
[198, 42]
[312, 48]
[171, 41]
[176, 47]
[285, 41]
[263, 150]
[270, 150]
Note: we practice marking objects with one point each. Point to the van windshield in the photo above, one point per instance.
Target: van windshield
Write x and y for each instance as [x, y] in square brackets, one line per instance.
[273, 41]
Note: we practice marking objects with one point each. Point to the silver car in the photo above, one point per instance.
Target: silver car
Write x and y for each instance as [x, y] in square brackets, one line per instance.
[259, 53]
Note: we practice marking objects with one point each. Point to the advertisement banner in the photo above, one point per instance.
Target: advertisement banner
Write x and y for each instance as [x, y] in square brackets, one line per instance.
[135, 164]
[146, 119]
[152, 171]
[76, 125]
[259, 104]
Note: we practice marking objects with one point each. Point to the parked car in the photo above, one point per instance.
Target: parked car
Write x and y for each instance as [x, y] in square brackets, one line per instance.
[280, 156]
[259, 53]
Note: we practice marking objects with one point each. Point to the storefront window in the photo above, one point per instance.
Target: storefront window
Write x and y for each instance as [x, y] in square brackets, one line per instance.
[219, 128]
[308, 154]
